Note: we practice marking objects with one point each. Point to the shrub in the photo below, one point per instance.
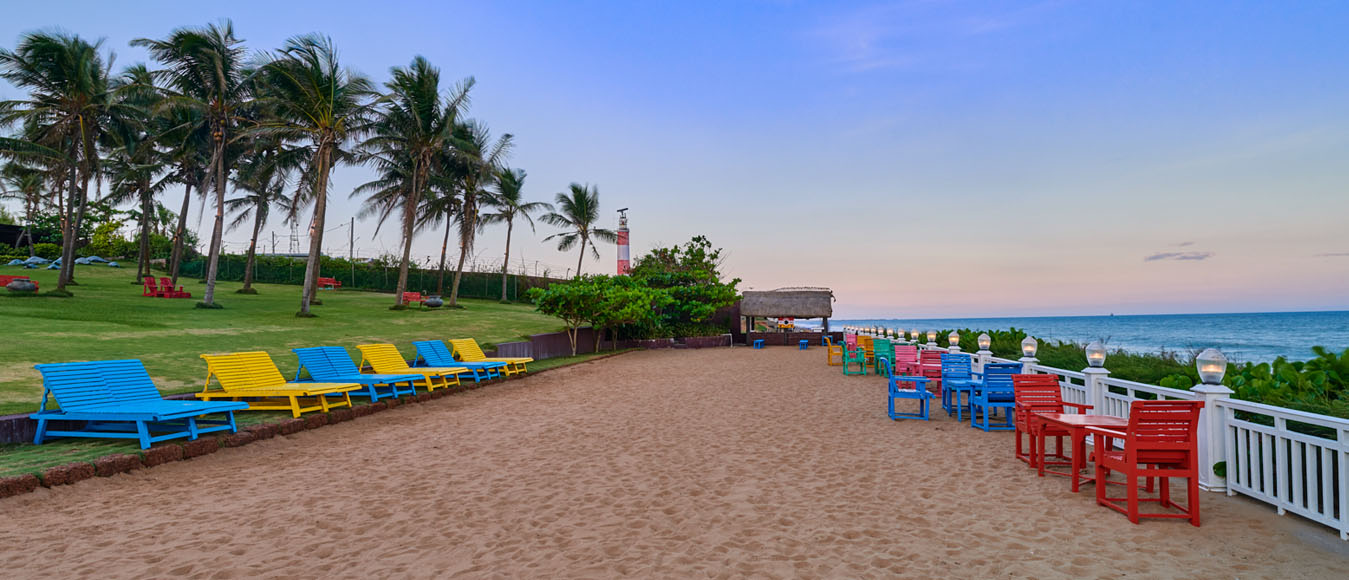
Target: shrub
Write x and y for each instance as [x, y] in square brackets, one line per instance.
[48, 251]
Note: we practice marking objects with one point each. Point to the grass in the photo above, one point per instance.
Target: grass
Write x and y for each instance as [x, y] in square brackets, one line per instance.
[26, 458]
[108, 319]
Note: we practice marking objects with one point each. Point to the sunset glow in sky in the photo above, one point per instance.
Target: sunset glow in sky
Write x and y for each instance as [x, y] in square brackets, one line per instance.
[923, 159]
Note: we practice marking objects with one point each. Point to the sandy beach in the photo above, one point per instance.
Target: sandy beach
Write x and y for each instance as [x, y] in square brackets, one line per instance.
[716, 463]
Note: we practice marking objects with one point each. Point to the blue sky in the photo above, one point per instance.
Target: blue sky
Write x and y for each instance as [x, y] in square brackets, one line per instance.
[921, 158]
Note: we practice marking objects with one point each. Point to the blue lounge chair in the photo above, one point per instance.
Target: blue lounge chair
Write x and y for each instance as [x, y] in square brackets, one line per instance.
[332, 364]
[994, 392]
[434, 353]
[956, 380]
[118, 400]
[897, 390]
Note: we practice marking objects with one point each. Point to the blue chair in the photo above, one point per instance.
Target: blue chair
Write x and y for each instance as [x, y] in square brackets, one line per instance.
[434, 353]
[956, 380]
[918, 392]
[118, 400]
[758, 343]
[332, 364]
[804, 344]
[994, 392]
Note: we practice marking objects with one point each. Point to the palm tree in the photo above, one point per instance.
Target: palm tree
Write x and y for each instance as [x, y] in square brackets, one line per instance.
[69, 103]
[205, 75]
[480, 161]
[134, 162]
[578, 212]
[263, 176]
[24, 183]
[510, 204]
[188, 141]
[411, 129]
[442, 205]
[313, 100]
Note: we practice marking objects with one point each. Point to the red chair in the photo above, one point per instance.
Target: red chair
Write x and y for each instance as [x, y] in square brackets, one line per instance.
[906, 360]
[929, 366]
[410, 297]
[150, 288]
[1162, 442]
[166, 286]
[1040, 394]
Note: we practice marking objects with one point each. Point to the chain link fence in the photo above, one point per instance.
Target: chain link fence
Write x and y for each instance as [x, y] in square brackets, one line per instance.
[366, 276]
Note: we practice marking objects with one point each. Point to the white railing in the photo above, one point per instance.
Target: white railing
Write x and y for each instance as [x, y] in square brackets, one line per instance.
[1074, 384]
[1297, 472]
[1117, 404]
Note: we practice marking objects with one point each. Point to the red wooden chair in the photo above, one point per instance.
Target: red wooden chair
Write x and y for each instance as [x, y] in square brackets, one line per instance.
[410, 297]
[150, 288]
[1040, 394]
[906, 360]
[166, 286]
[929, 366]
[1162, 442]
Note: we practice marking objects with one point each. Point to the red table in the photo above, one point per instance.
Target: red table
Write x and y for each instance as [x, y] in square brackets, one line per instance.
[1076, 425]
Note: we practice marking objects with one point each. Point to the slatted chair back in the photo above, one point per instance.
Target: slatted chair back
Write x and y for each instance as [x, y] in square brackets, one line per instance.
[149, 287]
[325, 362]
[906, 353]
[467, 349]
[955, 367]
[930, 357]
[243, 370]
[882, 347]
[434, 352]
[1038, 393]
[85, 385]
[998, 385]
[850, 340]
[384, 358]
[1162, 432]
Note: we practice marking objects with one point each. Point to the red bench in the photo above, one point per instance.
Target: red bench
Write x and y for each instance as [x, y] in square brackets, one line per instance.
[410, 297]
[164, 289]
[329, 283]
[5, 280]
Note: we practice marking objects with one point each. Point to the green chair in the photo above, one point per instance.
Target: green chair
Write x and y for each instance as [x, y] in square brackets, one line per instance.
[882, 349]
[853, 356]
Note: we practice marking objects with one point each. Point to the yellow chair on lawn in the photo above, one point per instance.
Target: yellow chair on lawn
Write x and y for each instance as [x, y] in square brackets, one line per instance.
[386, 360]
[468, 350]
[252, 376]
[833, 353]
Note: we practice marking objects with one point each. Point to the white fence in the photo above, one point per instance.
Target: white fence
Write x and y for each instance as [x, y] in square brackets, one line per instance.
[1298, 462]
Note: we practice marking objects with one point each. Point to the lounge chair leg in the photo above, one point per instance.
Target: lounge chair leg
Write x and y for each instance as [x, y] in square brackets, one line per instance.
[294, 407]
[143, 433]
[192, 429]
[41, 432]
[233, 428]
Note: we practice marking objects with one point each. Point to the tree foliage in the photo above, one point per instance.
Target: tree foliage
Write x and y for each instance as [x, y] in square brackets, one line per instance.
[691, 275]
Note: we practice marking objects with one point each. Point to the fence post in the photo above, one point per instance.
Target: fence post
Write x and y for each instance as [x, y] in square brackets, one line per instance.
[982, 358]
[1212, 432]
[1028, 364]
[1096, 388]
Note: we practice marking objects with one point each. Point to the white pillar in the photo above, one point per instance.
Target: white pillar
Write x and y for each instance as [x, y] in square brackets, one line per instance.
[1026, 363]
[982, 358]
[1211, 433]
[955, 348]
[1096, 389]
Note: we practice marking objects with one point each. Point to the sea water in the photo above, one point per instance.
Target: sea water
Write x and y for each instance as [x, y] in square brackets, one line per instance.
[1249, 337]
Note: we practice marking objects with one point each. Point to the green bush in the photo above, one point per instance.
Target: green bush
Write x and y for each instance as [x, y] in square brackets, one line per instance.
[48, 251]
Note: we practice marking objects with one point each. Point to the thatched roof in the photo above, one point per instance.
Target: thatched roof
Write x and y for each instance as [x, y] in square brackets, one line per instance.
[793, 302]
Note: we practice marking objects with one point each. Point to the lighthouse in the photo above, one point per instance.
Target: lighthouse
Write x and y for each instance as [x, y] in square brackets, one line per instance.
[624, 259]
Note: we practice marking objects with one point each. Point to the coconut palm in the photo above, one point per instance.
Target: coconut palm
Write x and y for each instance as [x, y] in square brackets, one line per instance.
[412, 127]
[262, 175]
[509, 203]
[187, 140]
[319, 106]
[479, 160]
[24, 183]
[69, 103]
[134, 164]
[205, 74]
[578, 211]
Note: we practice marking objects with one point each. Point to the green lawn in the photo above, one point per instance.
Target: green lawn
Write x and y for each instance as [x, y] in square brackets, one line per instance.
[109, 319]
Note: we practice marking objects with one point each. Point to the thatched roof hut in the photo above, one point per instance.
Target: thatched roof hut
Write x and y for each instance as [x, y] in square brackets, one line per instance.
[788, 302]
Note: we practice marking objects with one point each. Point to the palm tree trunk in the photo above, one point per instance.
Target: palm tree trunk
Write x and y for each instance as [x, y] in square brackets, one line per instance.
[458, 274]
[176, 257]
[409, 220]
[444, 246]
[311, 270]
[68, 232]
[217, 232]
[143, 262]
[505, 262]
[465, 241]
[581, 259]
[258, 215]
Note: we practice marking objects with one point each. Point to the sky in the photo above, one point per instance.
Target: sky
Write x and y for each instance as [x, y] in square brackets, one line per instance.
[920, 158]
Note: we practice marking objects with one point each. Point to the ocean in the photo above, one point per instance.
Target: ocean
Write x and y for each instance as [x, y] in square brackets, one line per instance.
[1249, 337]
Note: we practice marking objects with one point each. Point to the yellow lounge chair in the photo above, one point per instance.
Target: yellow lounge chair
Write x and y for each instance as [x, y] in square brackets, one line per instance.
[253, 376]
[386, 360]
[468, 350]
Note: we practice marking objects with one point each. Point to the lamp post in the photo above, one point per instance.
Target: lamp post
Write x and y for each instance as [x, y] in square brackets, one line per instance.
[1028, 360]
[953, 342]
[932, 338]
[984, 355]
[1212, 365]
[1095, 377]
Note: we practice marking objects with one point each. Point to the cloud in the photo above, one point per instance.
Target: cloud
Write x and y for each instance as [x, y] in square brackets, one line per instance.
[1179, 256]
[1184, 244]
[1333, 255]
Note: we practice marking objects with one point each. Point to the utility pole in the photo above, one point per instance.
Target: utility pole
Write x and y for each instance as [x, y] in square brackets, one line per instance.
[351, 249]
[273, 242]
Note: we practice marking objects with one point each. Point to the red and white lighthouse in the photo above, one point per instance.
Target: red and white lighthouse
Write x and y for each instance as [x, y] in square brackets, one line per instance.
[624, 259]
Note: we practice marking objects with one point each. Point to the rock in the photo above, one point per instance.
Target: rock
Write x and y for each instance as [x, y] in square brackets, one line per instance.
[67, 474]
[111, 465]
[391, 403]
[18, 484]
[238, 439]
[290, 427]
[340, 415]
[315, 421]
[362, 410]
[200, 447]
[262, 431]
[161, 454]
[21, 286]
[422, 398]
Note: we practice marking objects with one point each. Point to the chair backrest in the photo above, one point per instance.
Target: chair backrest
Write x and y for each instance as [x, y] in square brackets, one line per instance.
[1038, 393]
[827, 341]
[1162, 431]
[906, 353]
[467, 349]
[326, 362]
[930, 357]
[149, 283]
[166, 283]
[384, 358]
[850, 340]
[955, 366]
[998, 384]
[81, 385]
[434, 352]
[243, 370]
[885, 367]
[883, 348]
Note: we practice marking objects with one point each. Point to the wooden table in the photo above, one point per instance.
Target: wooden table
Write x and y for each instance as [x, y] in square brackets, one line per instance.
[1076, 425]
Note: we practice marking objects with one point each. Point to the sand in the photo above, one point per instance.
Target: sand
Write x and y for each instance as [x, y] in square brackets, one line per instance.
[669, 464]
